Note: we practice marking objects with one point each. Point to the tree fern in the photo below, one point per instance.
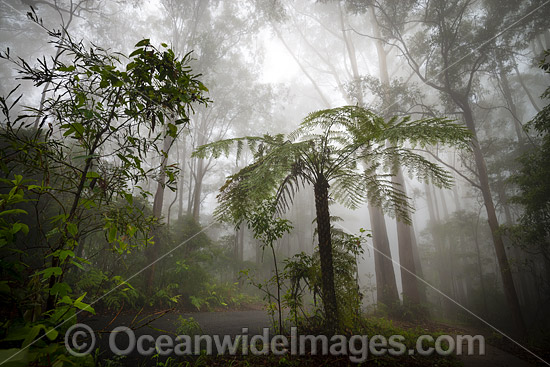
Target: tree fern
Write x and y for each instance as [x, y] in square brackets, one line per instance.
[349, 152]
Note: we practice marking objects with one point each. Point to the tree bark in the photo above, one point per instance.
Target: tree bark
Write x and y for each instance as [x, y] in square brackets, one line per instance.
[406, 256]
[411, 289]
[507, 93]
[439, 244]
[386, 287]
[504, 266]
[153, 250]
[199, 175]
[182, 179]
[325, 253]
[525, 89]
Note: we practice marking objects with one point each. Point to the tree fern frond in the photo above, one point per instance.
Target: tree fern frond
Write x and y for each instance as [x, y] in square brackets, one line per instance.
[423, 169]
[426, 132]
[289, 187]
[330, 143]
[350, 190]
[381, 193]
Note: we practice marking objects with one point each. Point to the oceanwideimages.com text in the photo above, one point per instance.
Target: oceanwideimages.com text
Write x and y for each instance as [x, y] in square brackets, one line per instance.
[80, 340]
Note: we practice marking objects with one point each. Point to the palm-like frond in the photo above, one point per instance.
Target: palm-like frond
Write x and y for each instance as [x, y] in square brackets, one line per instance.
[258, 145]
[426, 132]
[354, 149]
[272, 173]
[290, 185]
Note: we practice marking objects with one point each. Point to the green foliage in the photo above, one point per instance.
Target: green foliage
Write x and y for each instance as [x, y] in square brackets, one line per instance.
[215, 296]
[114, 292]
[349, 149]
[99, 105]
[27, 334]
[269, 228]
[188, 326]
[265, 226]
[348, 146]
[302, 273]
[533, 231]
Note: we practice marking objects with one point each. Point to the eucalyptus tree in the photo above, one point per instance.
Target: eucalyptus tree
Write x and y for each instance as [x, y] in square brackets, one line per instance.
[340, 152]
[449, 46]
[221, 32]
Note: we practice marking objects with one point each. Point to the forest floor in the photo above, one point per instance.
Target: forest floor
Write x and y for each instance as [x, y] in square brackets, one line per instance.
[233, 322]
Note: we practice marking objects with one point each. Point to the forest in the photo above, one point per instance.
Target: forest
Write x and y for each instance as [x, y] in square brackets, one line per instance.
[365, 179]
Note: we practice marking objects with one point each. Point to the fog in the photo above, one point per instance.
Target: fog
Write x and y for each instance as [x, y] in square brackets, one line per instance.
[329, 162]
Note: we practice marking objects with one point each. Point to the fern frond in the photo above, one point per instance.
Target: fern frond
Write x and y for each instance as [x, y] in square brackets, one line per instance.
[427, 132]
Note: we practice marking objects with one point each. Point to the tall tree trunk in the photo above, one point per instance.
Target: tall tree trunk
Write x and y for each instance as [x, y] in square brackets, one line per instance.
[480, 273]
[191, 186]
[507, 92]
[182, 178]
[411, 289]
[504, 266]
[526, 89]
[153, 250]
[418, 268]
[524, 280]
[199, 175]
[325, 253]
[239, 244]
[406, 256]
[301, 66]
[386, 287]
[439, 243]
[64, 29]
[169, 213]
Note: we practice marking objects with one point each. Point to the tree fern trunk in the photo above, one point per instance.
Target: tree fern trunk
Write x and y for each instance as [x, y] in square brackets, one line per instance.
[325, 252]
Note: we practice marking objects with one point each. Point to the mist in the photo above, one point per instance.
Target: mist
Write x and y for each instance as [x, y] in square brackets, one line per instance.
[342, 167]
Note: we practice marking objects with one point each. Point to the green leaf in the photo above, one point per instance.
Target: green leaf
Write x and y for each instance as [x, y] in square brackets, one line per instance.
[64, 254]
[77, 265]
[112, 233]
[92, 174]
[60, 289]
[78, 128]
[69, 131]
[143, 42]
[14, 357]
[16, 227]
[18, 179]
[184, 120]
[72, 228]
[32, 335]
[172, 130]
[13, 212]
[129, 198]
[67, 68]
[83, 306]
[32, 187]
[138, 51]
[56, 271]
[52, 334]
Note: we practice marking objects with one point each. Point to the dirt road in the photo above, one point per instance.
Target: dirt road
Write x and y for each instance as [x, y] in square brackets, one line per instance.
[232, 323]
